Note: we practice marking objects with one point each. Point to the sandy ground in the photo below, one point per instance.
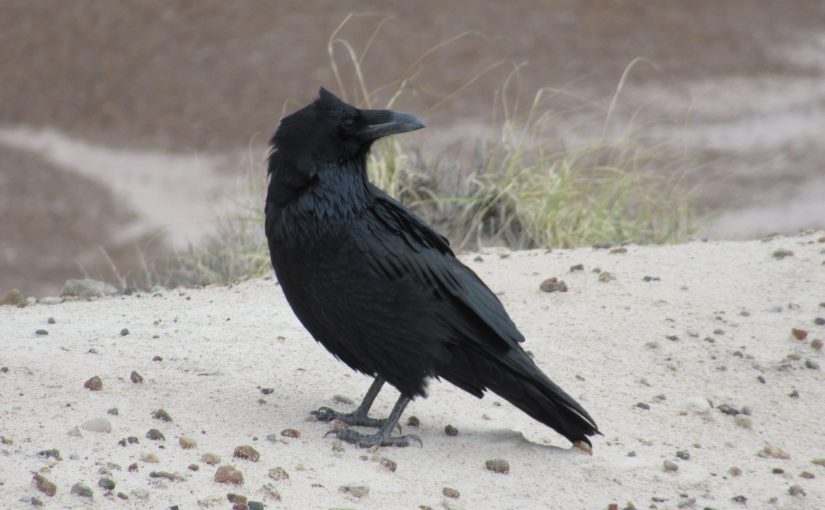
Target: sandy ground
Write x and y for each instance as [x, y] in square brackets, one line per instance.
[640, 355]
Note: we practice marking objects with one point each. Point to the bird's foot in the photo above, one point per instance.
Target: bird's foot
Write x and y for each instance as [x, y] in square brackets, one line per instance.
[379, 439]
[355, 419]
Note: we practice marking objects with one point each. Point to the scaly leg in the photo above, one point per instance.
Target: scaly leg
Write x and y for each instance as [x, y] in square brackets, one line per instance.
[384, 435]
[359, 416]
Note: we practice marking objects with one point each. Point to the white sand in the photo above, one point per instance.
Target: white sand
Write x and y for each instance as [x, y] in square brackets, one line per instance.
[219, 345]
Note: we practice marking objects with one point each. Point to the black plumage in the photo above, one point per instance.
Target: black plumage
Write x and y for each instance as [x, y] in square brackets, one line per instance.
[380, 289]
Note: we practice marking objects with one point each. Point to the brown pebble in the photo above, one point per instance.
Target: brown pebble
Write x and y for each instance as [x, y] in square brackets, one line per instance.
[618, 251]
[270, 491]
[44, 485]
[807, 475]
[739, 499]
[450, 492]
[187, 443]
[413, 421]
[450, 430]
[149, 458]
[228, 474]
[210, 458]
[161, 415]
[670, 466]
[735, 471]
[605, 277]
[497, 466]
[278, 473]
[122, 496]
[94, 384]
[389, 464]
[553, 285]
[136, 377]
[576, 267]
[291, 433]
[155, 435]
[775, 452]
[246, 452]
[194, 467]
[782, 253]
[816, 343]
[800, 334]
[133, 467]
[157, 358]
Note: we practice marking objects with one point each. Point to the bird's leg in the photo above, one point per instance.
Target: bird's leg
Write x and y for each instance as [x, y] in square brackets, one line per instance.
[384, 435]
[359, 416]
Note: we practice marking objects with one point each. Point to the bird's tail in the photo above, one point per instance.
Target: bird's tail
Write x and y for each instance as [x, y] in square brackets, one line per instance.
[525, 386]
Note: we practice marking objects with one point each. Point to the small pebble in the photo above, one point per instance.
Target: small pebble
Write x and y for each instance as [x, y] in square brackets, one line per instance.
[389, 464]
[254, 505]
[683, 455]
[44, 485]
[187, 443]
[157, 358]
[82, 490]
[697, 405]
[413, 421]
[739, 499]
[106, 483]
[576, 267]
[136, 377]
[246, 452]
[267, 391]
[605, 277]
[799, 334]
[124, 332]
[450, 492]
[342, 399]
[778, 471]
[651, 279]
[497, 466]
[228, 474]
[41, 332]
[278, 473]
[291, 433]
[818, 462]
[51, 320]
[669, 466]
[356, 491]
[796, 490]
[165, 475]
[236, 499]
[113, 411]
[782, 253]
[149, 458]
[819, 321]
[101, 425]
[194, 467]
[52, 453]
[450, 430]
[776, 452]
[161, 415]
[728, 409]
[210, 458]
[93, 383]
[744, 421]
[735, 471]
[133, 467]
[155, 435]
[813, 365]
[553, 285]
[816, 343]
[807, 475]
[269, 491]
[642, 405]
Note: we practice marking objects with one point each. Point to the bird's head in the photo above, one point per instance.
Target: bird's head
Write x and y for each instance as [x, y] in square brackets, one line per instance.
[329, 130]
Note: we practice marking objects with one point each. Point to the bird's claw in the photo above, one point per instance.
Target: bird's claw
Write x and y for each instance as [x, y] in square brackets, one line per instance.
[326, 414]
[379, 439]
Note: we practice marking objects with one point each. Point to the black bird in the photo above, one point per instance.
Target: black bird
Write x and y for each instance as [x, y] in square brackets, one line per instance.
[380, 289]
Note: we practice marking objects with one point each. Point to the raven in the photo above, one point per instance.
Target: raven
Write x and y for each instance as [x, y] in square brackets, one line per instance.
[380, 289]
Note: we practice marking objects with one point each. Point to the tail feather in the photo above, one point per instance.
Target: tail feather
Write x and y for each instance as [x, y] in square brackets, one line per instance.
[515, 378]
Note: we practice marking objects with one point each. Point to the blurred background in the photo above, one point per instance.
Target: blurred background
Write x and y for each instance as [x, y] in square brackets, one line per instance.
[127, 130]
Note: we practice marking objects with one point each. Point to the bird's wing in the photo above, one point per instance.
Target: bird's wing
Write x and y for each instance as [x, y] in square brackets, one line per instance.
[403, 244]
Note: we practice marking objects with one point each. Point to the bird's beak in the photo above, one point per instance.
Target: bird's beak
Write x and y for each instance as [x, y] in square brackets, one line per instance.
[381, 123]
